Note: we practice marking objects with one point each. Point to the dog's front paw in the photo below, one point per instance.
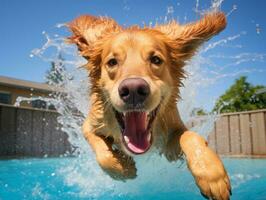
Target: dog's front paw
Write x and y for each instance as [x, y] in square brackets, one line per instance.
[211, 178]
[214, 186]
[118, 165]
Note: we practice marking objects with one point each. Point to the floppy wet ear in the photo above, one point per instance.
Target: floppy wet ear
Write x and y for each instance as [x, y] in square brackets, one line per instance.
[187, 38]
[88, 29]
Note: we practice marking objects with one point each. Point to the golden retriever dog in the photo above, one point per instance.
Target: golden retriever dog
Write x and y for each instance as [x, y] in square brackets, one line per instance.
[135, 76]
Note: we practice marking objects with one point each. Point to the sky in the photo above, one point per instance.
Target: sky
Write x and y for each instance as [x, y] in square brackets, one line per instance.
[22, 24]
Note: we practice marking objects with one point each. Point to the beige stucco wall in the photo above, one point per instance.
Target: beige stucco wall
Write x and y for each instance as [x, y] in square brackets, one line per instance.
[16, 92]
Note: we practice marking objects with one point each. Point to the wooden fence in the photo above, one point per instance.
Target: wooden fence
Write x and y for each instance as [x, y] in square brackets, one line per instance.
[30, 132]
[33, 132]
[240, 134]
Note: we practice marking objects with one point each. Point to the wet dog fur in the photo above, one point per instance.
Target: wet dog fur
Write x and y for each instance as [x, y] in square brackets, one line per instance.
[156, 55]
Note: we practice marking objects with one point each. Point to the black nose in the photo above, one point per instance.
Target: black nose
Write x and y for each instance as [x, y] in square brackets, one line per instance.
[134, 90]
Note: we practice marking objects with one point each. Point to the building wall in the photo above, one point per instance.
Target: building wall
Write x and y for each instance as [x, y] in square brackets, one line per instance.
[16, 92]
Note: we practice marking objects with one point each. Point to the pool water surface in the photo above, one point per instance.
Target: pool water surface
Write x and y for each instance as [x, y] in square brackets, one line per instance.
[42, 179]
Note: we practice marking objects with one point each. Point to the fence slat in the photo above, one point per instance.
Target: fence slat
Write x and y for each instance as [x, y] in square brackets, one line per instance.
[258, 133]
[65, 145]
[55, 136]
[7, 132]
[37, 140]
[8, 119]
[212, 139]
[222, 136]
[47, 130]
[24, 132]
[235, 140]
[245, 134]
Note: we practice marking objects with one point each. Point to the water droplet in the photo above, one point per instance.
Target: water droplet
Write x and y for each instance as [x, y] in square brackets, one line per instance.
[185, 18]
[258, 29]
[170, 10]
[59, 25]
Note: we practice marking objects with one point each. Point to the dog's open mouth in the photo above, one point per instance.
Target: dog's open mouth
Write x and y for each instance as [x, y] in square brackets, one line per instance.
[136, 129]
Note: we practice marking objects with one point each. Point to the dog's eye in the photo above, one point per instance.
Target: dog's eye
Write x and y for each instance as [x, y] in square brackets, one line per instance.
[156, 60]
[112, 62]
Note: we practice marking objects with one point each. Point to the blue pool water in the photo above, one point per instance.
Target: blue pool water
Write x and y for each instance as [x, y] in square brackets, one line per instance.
[45, 179]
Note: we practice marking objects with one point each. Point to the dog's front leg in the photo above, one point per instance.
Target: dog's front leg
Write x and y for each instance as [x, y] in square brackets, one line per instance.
[114, 162]
[205, 166]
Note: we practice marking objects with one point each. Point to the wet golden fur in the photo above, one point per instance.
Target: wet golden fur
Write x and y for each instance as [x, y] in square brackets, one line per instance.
[99, 39]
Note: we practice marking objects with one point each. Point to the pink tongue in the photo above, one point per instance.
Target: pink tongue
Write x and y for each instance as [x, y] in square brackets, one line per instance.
[136, 131]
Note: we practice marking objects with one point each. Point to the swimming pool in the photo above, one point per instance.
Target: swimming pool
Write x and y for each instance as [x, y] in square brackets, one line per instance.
[45, 179]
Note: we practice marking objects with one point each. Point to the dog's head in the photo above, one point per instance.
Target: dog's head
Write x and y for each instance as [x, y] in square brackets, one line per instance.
[138, 71]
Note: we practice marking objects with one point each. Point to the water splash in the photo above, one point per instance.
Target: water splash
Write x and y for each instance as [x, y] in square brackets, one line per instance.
[222, 42]
[232, 10]
[71, 101]
[170, 13]
[240, 178]
[216, 5]
[197, 7]
[126, 7]
[38, 193]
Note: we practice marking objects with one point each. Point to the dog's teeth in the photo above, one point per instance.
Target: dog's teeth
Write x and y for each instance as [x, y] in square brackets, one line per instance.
[126, 139]
[149, 137]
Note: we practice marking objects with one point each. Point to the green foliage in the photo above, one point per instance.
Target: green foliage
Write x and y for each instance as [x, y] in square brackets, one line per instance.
[199, 111]
[241, 96]
[55, 75]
